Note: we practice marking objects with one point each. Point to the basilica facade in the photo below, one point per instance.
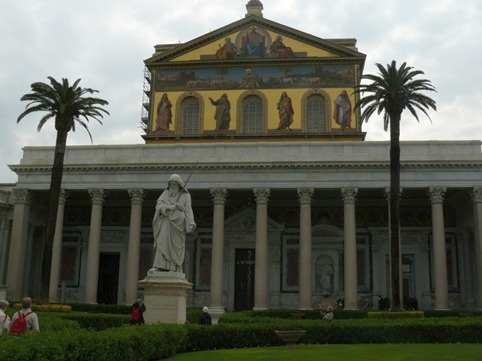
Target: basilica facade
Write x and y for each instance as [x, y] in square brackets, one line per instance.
[291, 203]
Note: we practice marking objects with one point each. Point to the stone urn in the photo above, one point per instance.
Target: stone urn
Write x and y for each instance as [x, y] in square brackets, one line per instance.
[290, 337]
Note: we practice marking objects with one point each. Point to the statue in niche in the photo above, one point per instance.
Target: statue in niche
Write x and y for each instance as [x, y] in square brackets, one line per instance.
[173, 219]
[324, 276]
[164, 114]
[285, 112]
[342, 111]
[223, 112]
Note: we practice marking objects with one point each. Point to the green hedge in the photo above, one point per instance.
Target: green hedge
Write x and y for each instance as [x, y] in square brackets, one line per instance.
[99, 308]
[61, 336]
[124, 343]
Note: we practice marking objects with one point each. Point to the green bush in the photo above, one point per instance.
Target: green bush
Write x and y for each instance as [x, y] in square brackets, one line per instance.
[98, 308]
[97, 322]
[62, 338]
[124, 343]
[398, 314]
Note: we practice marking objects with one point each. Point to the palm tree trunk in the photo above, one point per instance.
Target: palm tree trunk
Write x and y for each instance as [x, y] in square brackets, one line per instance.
[54, 194]
[395, 210]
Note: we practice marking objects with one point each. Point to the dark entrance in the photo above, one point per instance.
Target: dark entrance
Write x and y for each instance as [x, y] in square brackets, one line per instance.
[108, 285]
[244, 279]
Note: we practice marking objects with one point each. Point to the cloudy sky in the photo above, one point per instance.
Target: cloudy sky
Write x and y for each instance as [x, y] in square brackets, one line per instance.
[105, 42]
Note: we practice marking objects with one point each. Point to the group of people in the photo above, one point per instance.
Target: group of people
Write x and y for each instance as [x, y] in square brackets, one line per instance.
[24, 320]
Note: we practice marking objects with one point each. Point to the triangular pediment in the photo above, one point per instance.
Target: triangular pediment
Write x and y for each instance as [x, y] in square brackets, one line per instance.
[267, 34]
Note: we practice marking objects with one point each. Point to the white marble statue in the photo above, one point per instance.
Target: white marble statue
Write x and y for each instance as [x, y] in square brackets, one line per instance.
[173, 219]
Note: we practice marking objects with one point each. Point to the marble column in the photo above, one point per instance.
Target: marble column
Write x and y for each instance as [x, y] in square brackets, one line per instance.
[134, 247]
[436, 195]
[261, 254]
[305, 262]
[18, 243]
[216, 308]
[92, 277]
[477, 201]
[351, 282]
[57, 249]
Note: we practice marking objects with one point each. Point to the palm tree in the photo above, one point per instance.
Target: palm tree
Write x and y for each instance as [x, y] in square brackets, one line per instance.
[68, 105]
[392, 91]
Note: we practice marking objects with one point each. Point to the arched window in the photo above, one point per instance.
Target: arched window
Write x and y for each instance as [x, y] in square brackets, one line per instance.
[252, 118]
[315, 114]
[190, 119]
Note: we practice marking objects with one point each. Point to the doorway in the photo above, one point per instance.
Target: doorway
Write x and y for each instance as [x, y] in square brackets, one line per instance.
[108, 284]
[244, 279]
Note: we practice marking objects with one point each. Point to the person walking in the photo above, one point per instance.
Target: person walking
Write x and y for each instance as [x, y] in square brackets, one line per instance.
[4, 318]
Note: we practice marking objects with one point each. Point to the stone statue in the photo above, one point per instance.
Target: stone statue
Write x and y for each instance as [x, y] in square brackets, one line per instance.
[324, 277]
[172, 220]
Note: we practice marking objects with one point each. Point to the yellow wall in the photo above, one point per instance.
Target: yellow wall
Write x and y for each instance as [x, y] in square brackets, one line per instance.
[272, 95]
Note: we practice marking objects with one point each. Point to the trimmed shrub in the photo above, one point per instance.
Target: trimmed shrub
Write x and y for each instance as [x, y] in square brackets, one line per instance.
[398, 314]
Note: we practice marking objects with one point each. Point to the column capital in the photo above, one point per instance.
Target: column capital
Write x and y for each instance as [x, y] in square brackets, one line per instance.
[388, 193]
[261, 195]
[218, 195]
[349, 194]
[305, 195]
[22, 195]
[476, 194]
[63, 196]
[136, 195]
[96, 195]
[436, 194]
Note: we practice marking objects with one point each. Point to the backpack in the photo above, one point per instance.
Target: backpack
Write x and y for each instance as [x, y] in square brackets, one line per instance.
[136, 314]
[19, 325]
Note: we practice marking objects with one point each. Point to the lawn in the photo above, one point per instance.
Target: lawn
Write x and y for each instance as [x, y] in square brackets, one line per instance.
[393, 352]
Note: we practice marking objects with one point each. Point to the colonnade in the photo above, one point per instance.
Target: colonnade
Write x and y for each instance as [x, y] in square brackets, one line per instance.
[20, 227]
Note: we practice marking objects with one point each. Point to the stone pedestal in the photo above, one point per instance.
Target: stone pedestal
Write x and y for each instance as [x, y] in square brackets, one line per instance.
[325, 301]
[165, 297]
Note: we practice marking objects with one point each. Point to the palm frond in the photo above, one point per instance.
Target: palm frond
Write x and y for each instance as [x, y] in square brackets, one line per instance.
[65, 103]
[393, 90]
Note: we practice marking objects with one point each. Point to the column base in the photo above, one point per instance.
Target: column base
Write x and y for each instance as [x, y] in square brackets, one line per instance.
[165, 297]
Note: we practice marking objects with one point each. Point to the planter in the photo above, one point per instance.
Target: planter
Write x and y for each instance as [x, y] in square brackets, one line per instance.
[290, 337]
[297, 315]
